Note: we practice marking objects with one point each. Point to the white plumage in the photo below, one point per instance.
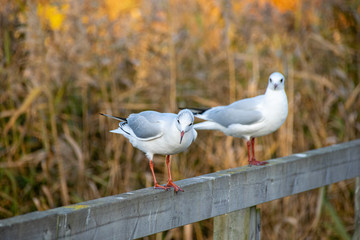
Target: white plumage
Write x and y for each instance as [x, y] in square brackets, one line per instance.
[158, 133]
[251, 117]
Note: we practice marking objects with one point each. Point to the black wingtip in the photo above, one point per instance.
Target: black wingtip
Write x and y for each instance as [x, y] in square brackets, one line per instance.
[196, 110]
[114, 117]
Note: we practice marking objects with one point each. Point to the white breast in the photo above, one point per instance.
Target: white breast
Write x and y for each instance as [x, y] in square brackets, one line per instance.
[275, 112]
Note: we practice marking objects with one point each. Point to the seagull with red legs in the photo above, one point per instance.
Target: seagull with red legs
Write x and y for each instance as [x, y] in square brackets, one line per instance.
[249, 118]
[158, 133]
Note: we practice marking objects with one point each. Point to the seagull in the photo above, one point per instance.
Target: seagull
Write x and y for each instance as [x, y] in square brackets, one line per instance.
[249, 118]
[158, 133]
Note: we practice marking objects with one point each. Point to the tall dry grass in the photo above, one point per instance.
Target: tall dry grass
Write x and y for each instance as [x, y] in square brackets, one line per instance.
[63, 62]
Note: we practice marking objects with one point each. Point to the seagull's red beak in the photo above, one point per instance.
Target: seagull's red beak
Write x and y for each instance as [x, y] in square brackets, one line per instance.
[181, 136]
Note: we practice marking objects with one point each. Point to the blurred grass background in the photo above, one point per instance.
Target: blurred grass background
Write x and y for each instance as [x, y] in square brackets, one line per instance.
[63, 62]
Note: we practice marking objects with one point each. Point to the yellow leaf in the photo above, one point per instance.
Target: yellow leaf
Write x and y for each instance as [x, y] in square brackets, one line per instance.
[52, 15]
[115, 7]
[285, 5]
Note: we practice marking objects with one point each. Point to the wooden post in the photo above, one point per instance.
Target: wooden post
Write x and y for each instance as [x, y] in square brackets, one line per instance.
[255, 224]
[357, 210]
[258, 225]
[243, 224]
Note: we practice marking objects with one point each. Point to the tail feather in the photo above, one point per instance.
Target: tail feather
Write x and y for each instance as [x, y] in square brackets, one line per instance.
[208, 125]
[123, 129]
[117, 118]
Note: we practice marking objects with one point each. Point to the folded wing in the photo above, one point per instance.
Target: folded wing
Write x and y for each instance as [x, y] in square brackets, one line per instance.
[145, 126]
[227, 116]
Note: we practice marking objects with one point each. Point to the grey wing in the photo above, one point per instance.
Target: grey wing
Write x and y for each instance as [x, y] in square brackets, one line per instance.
[226, 116]
[143, 128]
[248, 103]
[151, 116]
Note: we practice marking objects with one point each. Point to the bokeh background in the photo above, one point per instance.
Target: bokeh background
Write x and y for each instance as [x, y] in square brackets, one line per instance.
[63, 62]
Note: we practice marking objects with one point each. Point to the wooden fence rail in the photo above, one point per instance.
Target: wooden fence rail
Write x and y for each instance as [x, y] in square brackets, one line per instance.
[147, 211]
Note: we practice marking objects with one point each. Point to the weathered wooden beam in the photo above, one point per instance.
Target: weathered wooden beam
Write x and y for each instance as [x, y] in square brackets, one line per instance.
[148, 211]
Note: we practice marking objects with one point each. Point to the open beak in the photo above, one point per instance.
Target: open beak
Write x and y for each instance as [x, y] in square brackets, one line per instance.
[181, 136]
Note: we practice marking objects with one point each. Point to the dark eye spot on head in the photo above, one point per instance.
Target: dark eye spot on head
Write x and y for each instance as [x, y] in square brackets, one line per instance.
[281, 80]
[190, 124]
[270, 80]
[178, 121]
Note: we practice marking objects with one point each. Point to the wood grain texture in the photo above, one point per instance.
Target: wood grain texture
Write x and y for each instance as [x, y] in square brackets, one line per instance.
[238, 225]
[148, 211]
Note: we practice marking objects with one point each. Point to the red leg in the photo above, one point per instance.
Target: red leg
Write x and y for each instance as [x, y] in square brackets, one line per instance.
[253, 160]
[170, 182]
[248, 147]
[253, 149]
[156, 185]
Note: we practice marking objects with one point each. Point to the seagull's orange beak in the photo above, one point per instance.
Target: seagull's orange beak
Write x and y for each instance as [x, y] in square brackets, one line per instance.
[181, 136]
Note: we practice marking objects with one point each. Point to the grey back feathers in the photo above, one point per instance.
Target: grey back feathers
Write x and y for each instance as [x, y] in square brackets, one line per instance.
[227, 115]
[144, 124]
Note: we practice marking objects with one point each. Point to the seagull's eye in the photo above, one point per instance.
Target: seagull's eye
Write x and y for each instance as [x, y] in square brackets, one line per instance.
[281, 80]
[178, 121]
[270, 80]
[190, 124]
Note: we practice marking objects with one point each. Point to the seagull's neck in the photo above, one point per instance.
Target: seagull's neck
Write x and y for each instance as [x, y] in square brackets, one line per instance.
[270, 91]
[275, 95]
